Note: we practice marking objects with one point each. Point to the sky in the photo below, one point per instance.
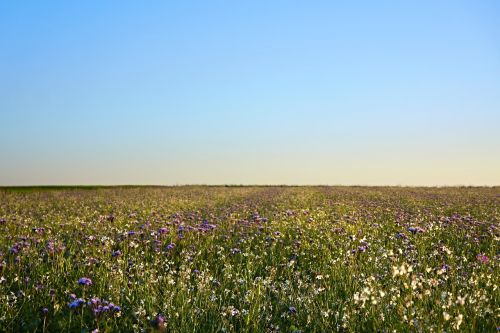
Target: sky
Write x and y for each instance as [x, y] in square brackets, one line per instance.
[250, 92]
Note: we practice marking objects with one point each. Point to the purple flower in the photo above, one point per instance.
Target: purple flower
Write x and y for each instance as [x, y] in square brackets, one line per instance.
[84, 281]
[94, 301]
[415, 230]
[102, 307]
[162, 231]
[76, 303]
[362, 248]
[50, 246]
[45, 311]
[292, 310]
[170, 246]
[483, 258]
[445, 268]
[401, 235]
[116, 253]
[158, 322]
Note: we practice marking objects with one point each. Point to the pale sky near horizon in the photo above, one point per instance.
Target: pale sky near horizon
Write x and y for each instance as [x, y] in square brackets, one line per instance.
[258, 92]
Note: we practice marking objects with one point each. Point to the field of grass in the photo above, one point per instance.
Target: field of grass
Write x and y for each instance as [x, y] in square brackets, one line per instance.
[250, 259]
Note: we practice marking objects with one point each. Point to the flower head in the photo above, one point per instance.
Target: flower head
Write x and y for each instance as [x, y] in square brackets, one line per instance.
[76, 303]
[84, 281]
[158, 322]
[483, 258]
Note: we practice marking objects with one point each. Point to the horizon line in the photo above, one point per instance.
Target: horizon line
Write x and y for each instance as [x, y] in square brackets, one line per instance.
[245, 185]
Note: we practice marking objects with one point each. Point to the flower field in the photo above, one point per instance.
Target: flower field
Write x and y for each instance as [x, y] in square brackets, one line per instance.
[250, 259]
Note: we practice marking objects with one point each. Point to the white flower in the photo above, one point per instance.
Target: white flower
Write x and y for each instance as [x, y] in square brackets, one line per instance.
[460, 300]
[458, 321]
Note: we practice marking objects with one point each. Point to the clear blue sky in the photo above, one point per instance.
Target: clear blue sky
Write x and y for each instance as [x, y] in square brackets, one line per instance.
[311, 92]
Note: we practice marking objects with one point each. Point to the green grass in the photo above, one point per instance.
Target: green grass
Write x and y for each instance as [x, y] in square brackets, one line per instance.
[266, 259]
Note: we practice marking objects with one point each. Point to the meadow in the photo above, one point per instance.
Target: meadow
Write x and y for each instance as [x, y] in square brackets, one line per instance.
[249, 259]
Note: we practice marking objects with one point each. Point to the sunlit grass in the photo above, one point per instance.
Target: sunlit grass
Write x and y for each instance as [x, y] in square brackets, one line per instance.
[215, 259]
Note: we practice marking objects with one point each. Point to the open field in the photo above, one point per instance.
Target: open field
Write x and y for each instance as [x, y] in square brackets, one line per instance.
[258, 259]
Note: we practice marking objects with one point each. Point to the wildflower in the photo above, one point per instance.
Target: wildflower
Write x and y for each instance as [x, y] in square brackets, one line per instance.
[116, 253]
[170, 246]
[233, 311]
[84, 281]
[76, 303]
[415, 230]
[458, 321]
[235, 251]
[94, 301]
[45, 311]
[482, 258]
[158, 322]
[401, 235]
[292, 310]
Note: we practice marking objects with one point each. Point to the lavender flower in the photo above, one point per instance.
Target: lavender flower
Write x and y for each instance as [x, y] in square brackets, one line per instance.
[84, 281]
[483, 258]
[158, 322]
[76, 303]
